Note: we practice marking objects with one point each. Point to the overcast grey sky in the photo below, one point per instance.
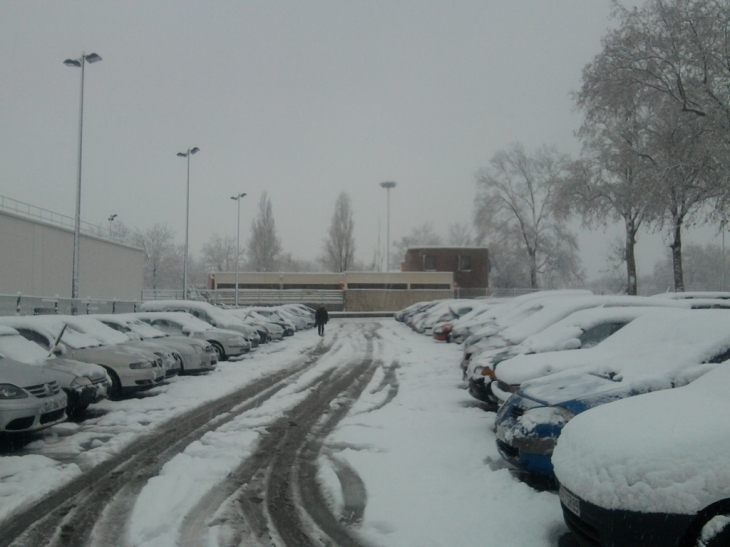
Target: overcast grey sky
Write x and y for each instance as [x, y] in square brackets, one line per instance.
[299, 99]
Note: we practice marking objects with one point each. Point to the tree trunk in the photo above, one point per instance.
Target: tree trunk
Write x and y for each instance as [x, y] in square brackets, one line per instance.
[533, 269]
[676, 247]
[631, 285]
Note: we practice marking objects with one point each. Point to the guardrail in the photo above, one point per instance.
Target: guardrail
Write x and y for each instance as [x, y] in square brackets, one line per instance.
[26, 210]
[252, 297]
[38, 305]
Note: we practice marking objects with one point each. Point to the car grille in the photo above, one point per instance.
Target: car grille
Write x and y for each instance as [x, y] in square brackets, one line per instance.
[44, 390]
[49, 417]
[20, 423]
[587, 533]
[510, 451]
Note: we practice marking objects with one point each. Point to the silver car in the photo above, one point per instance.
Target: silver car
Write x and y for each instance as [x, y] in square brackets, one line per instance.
[130, 369]
[215, 317]
[83, 383]
[226, 343]
[195, 355]
[30, 398]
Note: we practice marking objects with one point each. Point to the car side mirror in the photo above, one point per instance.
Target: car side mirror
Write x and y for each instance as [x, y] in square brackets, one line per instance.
[573, 343]
[187, 330]
[59, 350]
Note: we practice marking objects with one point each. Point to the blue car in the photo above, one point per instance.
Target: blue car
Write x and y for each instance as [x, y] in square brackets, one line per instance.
[529, 423]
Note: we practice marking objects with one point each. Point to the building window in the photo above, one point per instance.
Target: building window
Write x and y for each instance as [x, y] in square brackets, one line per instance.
[464, 263]
[429, 263]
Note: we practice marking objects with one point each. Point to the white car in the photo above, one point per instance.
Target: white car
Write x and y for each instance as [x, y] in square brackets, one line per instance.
[651, 470]
[30, 398]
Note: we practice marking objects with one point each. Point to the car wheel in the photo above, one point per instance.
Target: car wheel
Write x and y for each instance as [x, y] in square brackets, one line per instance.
[219, 351]
[115, 391]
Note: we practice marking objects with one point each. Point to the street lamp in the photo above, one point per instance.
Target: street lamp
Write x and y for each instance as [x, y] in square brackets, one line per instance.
[238, 197]
[187, 155]
[388, 185]
[111, 219]
[79, 63]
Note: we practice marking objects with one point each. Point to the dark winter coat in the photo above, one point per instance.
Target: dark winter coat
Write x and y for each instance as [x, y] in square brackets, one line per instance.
[321, 316]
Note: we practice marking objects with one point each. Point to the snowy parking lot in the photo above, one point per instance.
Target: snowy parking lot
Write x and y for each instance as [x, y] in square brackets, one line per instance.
[365, 437]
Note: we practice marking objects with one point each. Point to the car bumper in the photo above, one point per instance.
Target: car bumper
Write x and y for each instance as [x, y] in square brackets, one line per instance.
[480, 389]
[529, 454]
[87, 395]
[19, 415]
[596, 526]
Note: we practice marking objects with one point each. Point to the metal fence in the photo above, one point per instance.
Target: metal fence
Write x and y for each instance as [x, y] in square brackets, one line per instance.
[38, 305]
[253, 297]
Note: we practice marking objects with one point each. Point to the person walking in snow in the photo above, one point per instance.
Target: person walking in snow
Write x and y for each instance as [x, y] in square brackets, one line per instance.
[320, 319]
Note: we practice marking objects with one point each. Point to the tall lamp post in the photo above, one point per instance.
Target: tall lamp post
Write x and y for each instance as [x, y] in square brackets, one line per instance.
[111, 219]
[238, 197]
[388, 185]
[79, 63]
[187, 155]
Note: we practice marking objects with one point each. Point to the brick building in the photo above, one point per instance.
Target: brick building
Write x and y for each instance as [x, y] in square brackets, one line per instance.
[470, 265]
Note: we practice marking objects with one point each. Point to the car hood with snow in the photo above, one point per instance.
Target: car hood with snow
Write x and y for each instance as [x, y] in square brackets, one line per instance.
[665, 452]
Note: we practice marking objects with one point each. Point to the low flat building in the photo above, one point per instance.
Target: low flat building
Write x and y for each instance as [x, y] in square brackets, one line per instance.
[469, 265]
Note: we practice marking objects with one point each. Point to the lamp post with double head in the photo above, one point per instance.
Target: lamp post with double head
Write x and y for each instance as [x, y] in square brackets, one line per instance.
[238, 197]
[388, 185]
[111, 219]
[187, 155]
[79, 63]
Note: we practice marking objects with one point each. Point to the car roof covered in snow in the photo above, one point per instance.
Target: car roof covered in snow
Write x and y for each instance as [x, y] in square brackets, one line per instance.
[659, 346]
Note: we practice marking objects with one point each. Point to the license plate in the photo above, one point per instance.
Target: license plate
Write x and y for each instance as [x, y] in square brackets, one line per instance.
[51, 405]
[570, 501]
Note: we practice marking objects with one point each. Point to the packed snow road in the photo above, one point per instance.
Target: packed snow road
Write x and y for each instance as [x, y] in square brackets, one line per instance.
[363, 438]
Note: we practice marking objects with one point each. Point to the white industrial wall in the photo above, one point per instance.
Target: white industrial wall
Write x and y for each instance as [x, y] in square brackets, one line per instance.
[36, 259]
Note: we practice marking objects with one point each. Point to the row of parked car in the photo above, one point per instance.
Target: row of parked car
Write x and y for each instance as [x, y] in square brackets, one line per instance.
[53, 366]
[632, 427]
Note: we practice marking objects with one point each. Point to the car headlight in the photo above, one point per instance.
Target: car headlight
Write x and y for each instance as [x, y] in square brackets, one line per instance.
[9, 391]
[80, 381]
[143, 364]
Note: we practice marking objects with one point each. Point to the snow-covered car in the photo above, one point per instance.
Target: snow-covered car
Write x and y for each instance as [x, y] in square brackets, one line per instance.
[652, 353]
[529, 320]
[194, 355]
[30, 398]
[130, 369]
[83, 383]
[89, 324]
[226, 343]
[208, 313]
[275, 331]
[456, 330]
[658, 476]
[580, 330]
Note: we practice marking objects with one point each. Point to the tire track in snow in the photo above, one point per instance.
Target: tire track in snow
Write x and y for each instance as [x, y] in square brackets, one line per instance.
[274, 498]
[105, 494]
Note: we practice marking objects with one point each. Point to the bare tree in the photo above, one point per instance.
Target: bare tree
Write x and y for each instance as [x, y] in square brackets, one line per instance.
[264, 245]
[517, 197]
[421, 236]
[163, 261]
[339, 245]
[460, 235]
[219, 254]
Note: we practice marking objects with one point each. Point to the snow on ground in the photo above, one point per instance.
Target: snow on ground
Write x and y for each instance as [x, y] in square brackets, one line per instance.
[415, 437]
[424, 459]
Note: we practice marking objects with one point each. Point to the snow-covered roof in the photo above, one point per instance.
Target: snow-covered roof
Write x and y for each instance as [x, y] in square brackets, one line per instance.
[665, 452]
